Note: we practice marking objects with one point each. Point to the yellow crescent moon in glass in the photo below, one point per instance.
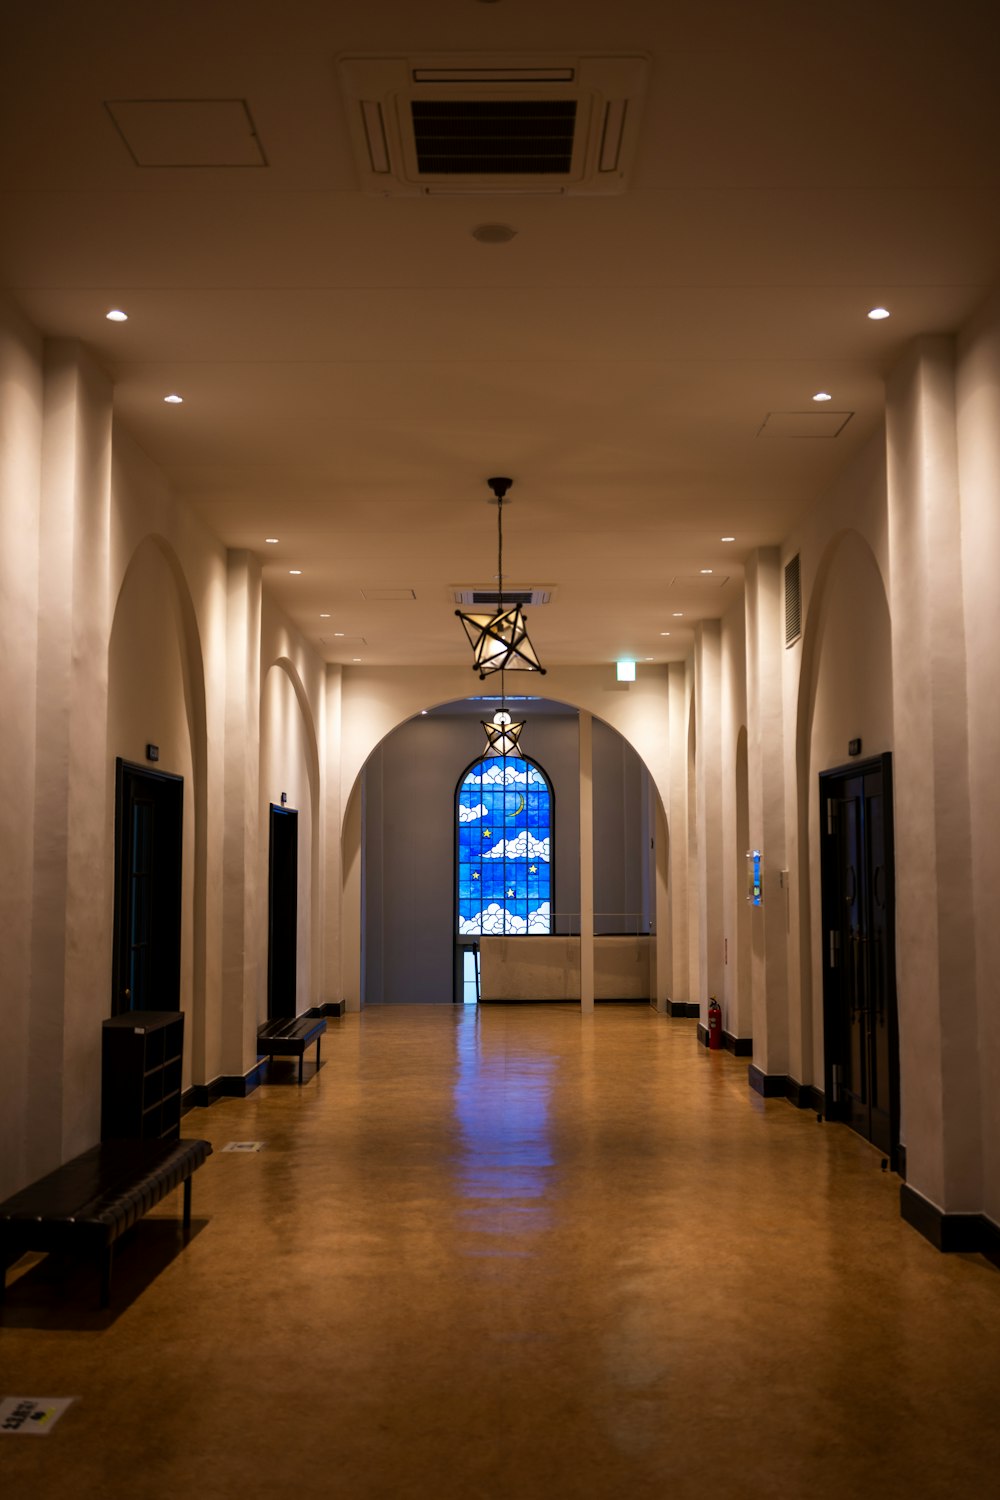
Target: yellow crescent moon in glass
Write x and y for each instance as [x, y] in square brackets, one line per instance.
[518, 809]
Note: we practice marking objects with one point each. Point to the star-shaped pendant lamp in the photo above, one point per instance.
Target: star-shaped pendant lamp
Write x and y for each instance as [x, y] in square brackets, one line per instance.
[500, 641]
[502, 735]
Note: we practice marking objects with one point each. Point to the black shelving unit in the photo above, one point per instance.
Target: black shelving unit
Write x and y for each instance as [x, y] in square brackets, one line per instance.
[141, 1060]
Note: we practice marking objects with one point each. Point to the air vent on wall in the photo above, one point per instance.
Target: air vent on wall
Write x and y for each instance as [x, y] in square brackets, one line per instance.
[793, 602]
[475, 124]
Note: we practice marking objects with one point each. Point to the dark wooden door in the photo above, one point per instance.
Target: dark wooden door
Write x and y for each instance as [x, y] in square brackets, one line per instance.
[860, 1021]
[149, 839]
[283, 913]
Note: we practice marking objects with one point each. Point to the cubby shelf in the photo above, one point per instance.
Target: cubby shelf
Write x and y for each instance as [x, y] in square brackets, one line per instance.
[141, 1059]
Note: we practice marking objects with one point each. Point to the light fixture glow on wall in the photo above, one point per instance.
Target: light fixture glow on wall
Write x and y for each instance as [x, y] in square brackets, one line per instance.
[625, 671]
[116, 315]
[878, 313]
[174, 399]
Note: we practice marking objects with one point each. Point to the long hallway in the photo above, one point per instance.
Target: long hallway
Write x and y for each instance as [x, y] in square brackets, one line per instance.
[512, 1252]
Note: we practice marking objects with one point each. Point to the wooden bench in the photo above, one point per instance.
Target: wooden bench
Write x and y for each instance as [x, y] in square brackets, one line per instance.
[88, 1202]
[289, 1037]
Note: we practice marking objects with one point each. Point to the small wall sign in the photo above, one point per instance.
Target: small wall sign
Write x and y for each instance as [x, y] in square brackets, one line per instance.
[854, 747]
[755, 877]
[32, 1416]
[152, 752]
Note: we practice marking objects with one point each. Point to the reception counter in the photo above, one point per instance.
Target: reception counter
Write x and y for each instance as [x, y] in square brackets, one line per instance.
[548, 968]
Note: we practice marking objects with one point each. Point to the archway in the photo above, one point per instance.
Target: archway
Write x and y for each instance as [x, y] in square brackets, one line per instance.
[415, 766]
[156, 695]
[845, 694]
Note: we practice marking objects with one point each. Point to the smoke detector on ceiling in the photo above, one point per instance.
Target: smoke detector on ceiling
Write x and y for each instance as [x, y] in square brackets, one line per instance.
[466, 123]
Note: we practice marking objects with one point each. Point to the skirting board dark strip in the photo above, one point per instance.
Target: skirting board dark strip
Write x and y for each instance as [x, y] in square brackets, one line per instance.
[769, 1085]
[780, 1086]
[901, 1161]
[226, 1086]
[969, 1234]
[739, 1046]
[703, 1033]
[485, 1000]
[682, 1008]
[328, 1008]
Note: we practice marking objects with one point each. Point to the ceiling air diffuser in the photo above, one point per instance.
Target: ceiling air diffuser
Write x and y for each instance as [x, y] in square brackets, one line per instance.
[473, 124]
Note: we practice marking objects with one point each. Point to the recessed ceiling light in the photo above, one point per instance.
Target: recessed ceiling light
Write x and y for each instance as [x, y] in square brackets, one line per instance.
[822, 396]
[355, 658]
[647, 658]
[272, 541]
[878, 313]
[116, 315]
[338, 632]
[664, 632]
[324, 617]
[727, 539]
[295, 572]
[173, 400]
[706, 570]
[423, 710]
[678, 614]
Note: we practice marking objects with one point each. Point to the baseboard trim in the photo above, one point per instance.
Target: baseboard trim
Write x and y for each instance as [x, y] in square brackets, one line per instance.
[805, 1096]
[226, 1086]
[901, 1161]
[768, 1085]
[682, 1008]
[782, 1086]
[739, 1046]
[963, 1234]
[328, 1008]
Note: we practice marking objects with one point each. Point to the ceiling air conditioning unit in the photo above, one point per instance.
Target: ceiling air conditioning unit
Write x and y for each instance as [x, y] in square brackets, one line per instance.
[463, 123]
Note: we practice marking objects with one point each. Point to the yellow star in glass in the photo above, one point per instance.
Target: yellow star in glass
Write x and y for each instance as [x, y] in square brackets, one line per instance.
[475, 874]
[532, 869]
[487, 833]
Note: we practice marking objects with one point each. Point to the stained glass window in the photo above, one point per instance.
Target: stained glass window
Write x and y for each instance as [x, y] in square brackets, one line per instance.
[504, 812]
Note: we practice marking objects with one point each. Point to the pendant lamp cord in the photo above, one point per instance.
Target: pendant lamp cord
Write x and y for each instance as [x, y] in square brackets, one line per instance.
[503, 700]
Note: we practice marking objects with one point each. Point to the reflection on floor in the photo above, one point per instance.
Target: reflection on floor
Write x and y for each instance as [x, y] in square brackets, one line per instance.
[513, 1252]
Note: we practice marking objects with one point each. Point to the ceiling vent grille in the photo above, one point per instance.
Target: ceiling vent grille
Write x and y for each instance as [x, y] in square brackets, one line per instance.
[474, 124]
[489, 598]
[793, 602]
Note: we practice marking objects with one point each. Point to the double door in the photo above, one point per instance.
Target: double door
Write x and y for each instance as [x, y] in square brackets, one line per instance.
[859, 992]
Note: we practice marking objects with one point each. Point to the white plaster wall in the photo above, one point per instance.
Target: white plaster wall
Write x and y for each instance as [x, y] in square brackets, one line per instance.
[150, 701]
[20, 480]
[978, 420]
[735, 998]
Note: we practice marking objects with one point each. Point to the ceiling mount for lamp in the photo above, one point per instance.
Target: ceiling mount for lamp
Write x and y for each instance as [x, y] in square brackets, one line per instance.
[499, 485]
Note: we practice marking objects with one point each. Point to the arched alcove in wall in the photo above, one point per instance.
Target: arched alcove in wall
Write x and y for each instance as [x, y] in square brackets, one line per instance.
[845, 693]
[694, 906]
[739, 1017]
[289, 765]
[156, 695]
[416, 765]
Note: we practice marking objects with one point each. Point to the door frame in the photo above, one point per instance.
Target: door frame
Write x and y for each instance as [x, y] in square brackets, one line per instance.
[829, 780]
[126, 773]
[286, 819]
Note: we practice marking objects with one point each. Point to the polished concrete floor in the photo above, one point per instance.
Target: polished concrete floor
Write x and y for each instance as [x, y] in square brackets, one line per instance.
[516, 1253]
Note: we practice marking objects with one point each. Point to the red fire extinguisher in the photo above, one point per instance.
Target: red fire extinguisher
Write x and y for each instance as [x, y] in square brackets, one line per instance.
[714, 1024]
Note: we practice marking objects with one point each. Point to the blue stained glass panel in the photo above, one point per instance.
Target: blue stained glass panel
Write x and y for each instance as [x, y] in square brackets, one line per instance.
[504, 817]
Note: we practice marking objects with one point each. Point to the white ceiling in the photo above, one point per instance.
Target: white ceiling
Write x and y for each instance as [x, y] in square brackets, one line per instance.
[353, 367]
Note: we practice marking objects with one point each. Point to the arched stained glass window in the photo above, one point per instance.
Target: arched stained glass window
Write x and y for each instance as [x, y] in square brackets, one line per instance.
[504, 815]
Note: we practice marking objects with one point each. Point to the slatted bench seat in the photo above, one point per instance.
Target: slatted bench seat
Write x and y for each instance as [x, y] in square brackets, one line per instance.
[289, 1037]
[85, 1204]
